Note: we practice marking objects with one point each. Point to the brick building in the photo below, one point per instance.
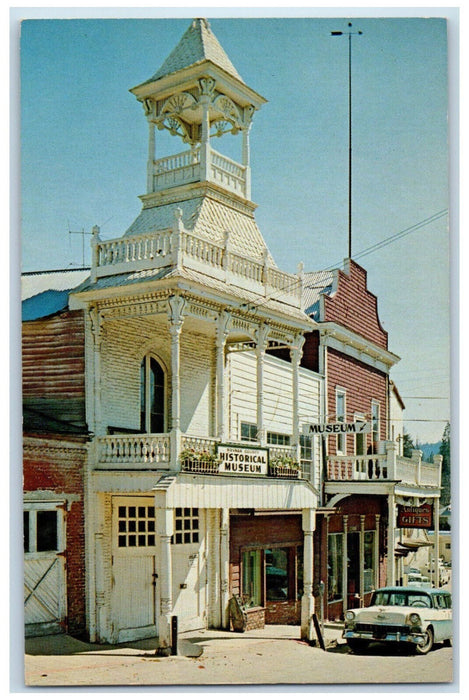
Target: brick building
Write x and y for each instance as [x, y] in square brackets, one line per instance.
[54, 456]
[358, 544]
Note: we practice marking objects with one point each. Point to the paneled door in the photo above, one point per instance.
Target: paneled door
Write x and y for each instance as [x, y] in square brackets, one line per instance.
[134, 569]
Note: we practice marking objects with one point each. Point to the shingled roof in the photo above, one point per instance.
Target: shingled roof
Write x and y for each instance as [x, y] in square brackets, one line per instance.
[198, 44]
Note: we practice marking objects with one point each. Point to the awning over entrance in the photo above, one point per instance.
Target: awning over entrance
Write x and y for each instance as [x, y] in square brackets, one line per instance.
[414, 544]
[183, 490]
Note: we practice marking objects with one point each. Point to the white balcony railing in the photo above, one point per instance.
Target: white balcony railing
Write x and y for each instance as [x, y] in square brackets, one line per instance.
[142, 451]
[384, 467]
[181, 248]
[136, 449]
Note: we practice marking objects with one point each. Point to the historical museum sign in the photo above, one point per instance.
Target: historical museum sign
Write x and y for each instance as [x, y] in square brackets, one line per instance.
[246, 461]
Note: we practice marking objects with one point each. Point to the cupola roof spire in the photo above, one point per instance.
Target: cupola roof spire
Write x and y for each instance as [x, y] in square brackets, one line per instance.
[198, 44]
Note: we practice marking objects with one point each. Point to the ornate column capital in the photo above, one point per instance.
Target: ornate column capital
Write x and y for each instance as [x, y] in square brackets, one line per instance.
[176, 314]
[261, 335]
[96, 325]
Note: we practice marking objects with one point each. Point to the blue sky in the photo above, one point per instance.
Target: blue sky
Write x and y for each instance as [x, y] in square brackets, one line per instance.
[84, 149]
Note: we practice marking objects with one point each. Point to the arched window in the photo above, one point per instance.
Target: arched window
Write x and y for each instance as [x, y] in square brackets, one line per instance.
[152, 396]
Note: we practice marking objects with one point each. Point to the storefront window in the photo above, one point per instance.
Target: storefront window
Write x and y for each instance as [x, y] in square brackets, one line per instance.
[276, 574]
[369, 563]
[251, 593]
[335, 567]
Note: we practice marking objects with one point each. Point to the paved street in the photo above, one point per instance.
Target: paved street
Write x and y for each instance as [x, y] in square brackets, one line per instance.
[206, 657]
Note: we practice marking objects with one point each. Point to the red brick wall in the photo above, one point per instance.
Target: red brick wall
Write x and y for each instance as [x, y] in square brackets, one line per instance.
[362, 384]
[354, 307]
[60, 470]
[262, 531]
[286, 612]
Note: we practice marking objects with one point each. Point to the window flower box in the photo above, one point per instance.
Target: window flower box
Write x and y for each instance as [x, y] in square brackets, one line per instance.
[285, 468]
[201, 462]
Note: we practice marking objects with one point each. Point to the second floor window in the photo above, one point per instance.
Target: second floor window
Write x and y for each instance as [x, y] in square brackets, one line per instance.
[248, 432]
[152, 396]
[375, 425]
[278, 439]
[340, 417]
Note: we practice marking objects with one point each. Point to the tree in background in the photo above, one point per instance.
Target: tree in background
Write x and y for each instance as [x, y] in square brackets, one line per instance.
[408, 445]
[445, 451]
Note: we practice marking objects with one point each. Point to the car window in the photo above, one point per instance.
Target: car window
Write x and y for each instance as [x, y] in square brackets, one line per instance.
[416, 600]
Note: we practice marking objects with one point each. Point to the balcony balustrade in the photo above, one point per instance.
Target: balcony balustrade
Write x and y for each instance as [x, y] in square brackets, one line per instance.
[143, 451]
[384, 467]
[168, 247]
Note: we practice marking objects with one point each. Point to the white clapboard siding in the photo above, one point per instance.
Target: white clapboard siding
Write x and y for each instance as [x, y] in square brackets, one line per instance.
[278, 393]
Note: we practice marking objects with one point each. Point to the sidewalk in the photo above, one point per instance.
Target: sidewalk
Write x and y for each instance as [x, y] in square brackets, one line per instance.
[270, 655]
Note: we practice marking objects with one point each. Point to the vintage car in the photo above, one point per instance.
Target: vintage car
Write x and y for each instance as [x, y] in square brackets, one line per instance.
[401, 614]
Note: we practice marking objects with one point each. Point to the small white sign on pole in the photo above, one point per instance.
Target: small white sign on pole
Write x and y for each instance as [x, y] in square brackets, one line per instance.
[356, 427]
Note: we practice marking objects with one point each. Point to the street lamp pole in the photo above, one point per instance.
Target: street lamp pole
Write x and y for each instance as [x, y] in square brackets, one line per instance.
[349, 34]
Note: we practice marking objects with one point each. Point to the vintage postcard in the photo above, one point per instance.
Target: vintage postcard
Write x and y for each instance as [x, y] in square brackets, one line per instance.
[235, 357]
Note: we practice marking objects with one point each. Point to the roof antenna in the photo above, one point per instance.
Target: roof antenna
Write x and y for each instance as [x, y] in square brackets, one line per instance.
[83, 233]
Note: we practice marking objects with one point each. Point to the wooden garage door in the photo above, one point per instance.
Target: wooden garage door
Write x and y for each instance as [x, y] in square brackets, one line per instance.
[44, 571]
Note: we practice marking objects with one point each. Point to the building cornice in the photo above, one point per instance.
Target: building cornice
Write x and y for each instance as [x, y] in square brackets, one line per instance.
[343, 340]
[65, 450]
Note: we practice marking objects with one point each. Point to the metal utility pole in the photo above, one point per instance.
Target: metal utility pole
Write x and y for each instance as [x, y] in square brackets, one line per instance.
[349, 34]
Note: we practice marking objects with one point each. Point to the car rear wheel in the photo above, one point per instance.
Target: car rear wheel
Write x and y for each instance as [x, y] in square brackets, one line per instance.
[357, 645]
[425, 646]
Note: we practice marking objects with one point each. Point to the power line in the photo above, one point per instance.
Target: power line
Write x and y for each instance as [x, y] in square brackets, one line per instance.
[425, 397]
[425, 420]
[292, 286]
[397, 236]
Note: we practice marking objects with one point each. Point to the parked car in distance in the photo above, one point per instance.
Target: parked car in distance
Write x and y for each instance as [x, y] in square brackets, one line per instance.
[418, 580]
[443, 572]
[401, 614]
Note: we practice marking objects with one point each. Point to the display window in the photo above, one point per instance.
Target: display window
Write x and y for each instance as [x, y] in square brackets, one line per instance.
[271, 574]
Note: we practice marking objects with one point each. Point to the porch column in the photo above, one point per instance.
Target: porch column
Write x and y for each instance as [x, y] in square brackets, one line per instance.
[207, 86]
[345, 566]
[220, 341]
[246, 156]
[296, 353]
[151, 156]
[376, 554]
[436, 549]
[361, 554]
[176, 319]
[391, 567]
[165, 531]
[224, 566]
[307, 600]
[96, 332]
[261, 339]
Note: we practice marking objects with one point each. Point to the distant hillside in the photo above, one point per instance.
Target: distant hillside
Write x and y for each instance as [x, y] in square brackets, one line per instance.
[429, 448]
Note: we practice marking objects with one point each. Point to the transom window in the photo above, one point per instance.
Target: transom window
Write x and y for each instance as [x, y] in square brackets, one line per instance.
[186, 525]
[152, 396]
[136, 526]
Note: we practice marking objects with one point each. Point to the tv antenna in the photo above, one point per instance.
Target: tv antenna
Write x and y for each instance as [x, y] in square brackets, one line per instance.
[83, 233]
